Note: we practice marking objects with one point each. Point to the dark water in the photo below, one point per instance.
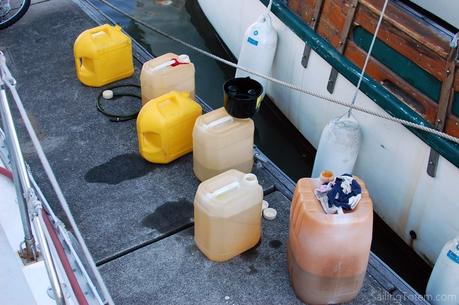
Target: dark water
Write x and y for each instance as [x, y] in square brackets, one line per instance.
[280, 142]
[170, 215]
[119, 169]
[275, 244]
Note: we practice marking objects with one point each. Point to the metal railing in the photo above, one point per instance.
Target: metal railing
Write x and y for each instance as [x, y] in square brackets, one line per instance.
[17, 166]
[32, 211]
[29, 206]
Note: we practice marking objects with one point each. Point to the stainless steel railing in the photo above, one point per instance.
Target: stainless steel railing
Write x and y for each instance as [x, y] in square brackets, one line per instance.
[32, 210]
[29, 206]
[17, 162]
[8, 80]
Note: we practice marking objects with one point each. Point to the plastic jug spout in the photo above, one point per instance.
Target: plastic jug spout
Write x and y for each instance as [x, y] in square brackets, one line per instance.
[249, 179]
[183, 59]
[180, 60]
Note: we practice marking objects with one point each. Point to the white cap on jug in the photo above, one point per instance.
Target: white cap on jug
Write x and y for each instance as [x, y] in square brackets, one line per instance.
[185, 59]
[181, 59]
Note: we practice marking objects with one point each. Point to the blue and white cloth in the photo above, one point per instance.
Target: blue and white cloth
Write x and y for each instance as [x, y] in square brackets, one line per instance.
[343, 193]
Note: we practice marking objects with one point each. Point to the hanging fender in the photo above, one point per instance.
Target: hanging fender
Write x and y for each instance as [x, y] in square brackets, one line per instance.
[258, 49]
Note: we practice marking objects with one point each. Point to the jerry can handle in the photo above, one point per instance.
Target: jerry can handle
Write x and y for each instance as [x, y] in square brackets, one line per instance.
[225, 189]
[180, 60]
[166, 101]
[81, 63]
[219, 121]
[104, 28]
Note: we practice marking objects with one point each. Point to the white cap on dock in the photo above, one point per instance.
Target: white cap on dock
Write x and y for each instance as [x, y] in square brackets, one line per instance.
[107, 94]
[269, 213]
[264, 205]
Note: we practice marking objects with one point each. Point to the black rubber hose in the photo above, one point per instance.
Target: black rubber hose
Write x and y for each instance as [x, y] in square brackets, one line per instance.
[113, 116]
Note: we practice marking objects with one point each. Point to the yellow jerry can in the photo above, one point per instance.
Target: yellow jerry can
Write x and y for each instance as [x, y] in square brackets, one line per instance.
[103, 55]
[165, 126]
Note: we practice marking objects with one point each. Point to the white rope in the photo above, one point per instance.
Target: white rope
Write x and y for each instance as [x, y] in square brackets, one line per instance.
[288, 85]
[270, 4]
[367, 59]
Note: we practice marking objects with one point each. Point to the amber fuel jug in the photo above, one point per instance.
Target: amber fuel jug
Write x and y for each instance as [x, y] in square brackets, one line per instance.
[221, 142]
[168, 72]
[165, 125]
[327, 253]
[103, 55]
[227, 215]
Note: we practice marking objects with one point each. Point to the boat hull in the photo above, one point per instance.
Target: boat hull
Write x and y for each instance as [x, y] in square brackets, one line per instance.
[392, 160]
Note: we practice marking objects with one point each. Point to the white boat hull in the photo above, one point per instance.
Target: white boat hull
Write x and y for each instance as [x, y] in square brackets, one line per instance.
[21, 284]
[392, 160]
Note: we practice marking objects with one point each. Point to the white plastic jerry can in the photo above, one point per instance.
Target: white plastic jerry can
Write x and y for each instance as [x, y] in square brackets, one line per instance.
[258, 49]
[220, 143]
[166, 73]
[443, 286]
[227, 214]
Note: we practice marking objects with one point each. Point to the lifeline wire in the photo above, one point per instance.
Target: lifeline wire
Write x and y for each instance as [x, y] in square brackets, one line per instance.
[367, 59]
[288, 85]
[11, 84]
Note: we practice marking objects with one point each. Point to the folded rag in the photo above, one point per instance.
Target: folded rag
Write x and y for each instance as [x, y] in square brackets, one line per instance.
[344, 192]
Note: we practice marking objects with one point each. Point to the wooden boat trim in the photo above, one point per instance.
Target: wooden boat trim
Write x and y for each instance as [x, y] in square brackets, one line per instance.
[445, 102]
[401, 21]
[342, 42]
[313, 24]
[383, 97]
[421, 43]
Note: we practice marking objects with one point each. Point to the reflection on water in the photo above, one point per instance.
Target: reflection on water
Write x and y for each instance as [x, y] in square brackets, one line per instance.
[184, 19]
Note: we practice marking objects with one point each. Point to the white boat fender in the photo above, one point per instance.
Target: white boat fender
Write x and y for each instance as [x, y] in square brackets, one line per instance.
[258, 49]
[339, 146]
[443, 285]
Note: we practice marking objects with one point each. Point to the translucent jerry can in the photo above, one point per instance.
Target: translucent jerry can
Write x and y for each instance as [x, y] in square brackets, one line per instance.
[103, 55]
[220, 143]
[165, 125]
[327, 253]
[168, 72]
[227, 215]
